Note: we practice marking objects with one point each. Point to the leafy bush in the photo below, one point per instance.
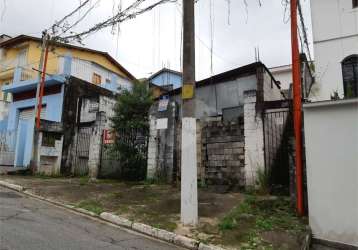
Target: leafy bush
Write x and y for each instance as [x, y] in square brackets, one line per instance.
[129, 122]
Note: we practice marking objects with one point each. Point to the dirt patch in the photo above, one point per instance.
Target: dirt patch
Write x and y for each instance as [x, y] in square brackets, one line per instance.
[233, 220]
[281, 240]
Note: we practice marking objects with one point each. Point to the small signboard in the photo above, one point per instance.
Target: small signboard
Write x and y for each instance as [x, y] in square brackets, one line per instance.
[187, 91]
[108, 137]
[163, 103]
[162, 123]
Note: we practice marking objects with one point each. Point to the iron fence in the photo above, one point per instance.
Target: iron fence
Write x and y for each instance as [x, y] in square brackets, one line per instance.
[81, 155]
[278, 132]
[126, 157]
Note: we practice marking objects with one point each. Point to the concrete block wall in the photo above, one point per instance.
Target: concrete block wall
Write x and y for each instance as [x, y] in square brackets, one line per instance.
[223, 149]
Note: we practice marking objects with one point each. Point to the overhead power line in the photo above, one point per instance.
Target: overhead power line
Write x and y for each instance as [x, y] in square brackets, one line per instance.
[130, 12]
[58, 24]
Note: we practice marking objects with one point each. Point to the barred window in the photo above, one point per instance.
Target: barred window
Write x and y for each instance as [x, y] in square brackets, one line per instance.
[350, 76]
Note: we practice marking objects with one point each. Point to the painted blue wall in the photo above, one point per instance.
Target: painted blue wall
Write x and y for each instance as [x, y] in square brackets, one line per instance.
[3, 125]
[166, 78]
[53, 108]
[25, 128]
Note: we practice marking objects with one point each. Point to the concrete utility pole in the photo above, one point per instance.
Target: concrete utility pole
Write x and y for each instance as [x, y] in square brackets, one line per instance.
[297, 105]
[189, 189]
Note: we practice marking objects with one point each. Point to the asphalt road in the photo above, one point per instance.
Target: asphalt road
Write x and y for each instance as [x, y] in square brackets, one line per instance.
[30, 224]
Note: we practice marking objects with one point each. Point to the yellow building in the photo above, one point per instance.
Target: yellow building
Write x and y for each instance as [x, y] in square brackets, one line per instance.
[79, 89]
[22, 54]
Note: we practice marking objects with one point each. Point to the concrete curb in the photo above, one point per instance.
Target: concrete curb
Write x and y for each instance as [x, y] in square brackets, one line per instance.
[12, 186]
[160, 234]
[307, 239]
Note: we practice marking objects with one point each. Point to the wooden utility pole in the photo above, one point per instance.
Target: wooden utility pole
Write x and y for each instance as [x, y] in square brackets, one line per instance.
[297, 105]
[189, 192]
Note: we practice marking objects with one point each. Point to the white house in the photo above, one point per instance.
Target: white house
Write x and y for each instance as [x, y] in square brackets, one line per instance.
[335, 38]
[331, 138]
[283, 74]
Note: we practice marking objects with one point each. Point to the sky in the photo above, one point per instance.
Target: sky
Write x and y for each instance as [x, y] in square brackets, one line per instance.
[147, 43]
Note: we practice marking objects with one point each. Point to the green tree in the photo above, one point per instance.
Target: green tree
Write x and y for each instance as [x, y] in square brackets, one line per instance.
[130, 122]
[132, 107]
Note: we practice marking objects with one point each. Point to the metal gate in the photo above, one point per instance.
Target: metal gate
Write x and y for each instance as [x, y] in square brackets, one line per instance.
[82, 151]
[113, 165]
[278, 132]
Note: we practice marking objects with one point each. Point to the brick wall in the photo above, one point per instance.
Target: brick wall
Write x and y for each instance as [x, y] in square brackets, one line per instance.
[223, 156]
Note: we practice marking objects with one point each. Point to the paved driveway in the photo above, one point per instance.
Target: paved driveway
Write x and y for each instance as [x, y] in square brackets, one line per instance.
[27, 223]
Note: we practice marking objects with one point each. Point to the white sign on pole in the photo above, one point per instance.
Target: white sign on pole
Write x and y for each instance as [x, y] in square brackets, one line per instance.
[162, 123]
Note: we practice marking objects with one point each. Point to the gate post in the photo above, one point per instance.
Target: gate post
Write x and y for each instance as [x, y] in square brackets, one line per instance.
[254, 138]
[94, 157]
[152, 148]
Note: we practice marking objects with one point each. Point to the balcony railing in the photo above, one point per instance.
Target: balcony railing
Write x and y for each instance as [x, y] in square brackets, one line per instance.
[67, 65]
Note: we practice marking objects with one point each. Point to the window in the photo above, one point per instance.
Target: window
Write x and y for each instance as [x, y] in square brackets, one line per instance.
[350, 76]
[5, 94]
[355, 3]
[21, 57]
[108, 80]
[96, 79]
[49, 139]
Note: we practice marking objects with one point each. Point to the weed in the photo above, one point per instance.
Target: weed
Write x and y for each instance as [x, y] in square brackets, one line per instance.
[46, 176]
[202, 184]
[227, 223]
[166, 225]
[230, 221]
[261, 215]
[263, 181]
[91, 205]
[84, 180]
[264, 224]
[123, 209]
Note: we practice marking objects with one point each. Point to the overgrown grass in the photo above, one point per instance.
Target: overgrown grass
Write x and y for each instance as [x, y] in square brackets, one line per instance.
[91, 205]
[256, 215]
[83, 180]
[46, 176]
[275, 213]
[263, 181]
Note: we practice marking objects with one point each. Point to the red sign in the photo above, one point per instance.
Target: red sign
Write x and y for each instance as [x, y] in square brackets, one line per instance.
[107, 137]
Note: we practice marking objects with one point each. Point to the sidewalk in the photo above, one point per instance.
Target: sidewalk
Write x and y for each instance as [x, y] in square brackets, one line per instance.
[231, 220]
